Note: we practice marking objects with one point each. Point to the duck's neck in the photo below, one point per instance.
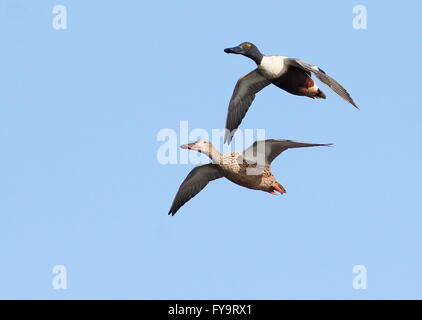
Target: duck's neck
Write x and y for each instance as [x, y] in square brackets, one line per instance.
[255, 55]
[215, 155]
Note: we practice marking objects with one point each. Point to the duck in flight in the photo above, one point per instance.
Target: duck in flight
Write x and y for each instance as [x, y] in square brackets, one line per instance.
[291, 75]
[249, 168]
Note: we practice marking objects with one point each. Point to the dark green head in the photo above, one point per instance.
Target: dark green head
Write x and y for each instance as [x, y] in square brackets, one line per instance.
[246, 49]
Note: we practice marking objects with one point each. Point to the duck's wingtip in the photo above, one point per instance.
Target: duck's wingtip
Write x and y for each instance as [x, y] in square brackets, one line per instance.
[354, 104]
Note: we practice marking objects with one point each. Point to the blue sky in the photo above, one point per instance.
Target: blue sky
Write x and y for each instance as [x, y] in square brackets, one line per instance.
[81, 185]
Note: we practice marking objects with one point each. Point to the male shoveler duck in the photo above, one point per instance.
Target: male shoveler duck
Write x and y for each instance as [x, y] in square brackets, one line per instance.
[249, 168]
[291, 75]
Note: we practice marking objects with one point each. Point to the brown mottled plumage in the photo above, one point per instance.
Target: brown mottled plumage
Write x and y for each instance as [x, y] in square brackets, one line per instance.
[236, 170]
[249, 168]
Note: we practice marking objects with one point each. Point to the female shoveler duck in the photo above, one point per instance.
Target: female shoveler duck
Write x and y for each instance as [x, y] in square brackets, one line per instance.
[291, 75]
[249, 168]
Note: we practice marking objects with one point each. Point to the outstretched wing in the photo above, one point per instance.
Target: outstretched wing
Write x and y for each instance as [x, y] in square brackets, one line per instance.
[321, 75]
[265, 151]
[243, 95]
[196, 180]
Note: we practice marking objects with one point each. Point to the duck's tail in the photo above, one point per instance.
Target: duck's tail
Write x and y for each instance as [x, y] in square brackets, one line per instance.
[320, 94]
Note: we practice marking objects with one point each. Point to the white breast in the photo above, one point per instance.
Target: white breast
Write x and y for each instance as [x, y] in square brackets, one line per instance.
[272, 66]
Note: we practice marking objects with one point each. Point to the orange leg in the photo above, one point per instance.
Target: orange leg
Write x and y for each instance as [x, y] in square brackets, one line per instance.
[276, 187]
